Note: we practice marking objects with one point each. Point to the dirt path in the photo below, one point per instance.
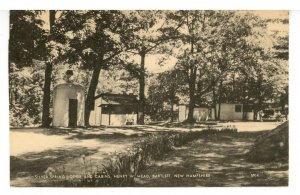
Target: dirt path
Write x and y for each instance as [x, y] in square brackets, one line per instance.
[33, 151]
[214, 161]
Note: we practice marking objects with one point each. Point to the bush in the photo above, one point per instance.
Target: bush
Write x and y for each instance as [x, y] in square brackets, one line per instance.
[272, 146]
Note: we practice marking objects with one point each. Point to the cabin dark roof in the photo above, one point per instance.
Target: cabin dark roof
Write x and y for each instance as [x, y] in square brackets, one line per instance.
[117, 99]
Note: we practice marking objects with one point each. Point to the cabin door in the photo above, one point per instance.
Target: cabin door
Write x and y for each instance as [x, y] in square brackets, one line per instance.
[73, 112]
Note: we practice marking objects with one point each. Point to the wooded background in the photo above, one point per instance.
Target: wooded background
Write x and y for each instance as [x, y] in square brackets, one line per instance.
[206, 57]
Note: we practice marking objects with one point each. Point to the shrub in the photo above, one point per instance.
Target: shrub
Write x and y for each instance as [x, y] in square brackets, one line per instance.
[123, 167]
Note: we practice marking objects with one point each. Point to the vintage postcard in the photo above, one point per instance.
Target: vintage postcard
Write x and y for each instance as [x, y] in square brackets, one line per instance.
[164, 98]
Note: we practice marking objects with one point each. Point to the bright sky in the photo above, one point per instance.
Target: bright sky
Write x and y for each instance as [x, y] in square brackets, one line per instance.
[274, 14]
[271, 14]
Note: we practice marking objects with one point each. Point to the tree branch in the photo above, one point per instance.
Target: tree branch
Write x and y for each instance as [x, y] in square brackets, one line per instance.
[112, 56]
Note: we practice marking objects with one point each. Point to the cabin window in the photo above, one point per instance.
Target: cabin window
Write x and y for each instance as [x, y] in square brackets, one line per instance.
[238, 108]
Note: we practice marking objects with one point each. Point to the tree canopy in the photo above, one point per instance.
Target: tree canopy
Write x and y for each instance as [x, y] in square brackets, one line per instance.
[208, 57]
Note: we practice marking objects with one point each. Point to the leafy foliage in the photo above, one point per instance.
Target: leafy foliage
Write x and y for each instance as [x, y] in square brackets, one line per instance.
[27, 38]
[25, 95]
[164, 92]
[219, 56]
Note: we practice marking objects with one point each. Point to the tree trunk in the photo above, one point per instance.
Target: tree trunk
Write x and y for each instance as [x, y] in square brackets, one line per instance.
[215, 104]
[90, 101]
[233, 84]
[257, 108]
[47, 96]
[172, 107]
[255, 115]
[141, 114]
[259, 99]
[192, 83]
[47, 85]
[245, 113]
[220, 99]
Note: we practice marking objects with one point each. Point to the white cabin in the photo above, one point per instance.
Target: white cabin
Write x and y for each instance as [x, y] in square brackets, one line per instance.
[68, 105]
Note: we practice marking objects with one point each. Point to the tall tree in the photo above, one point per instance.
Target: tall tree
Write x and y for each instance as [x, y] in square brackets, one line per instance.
[198, 36]
[95, 38]
[261, 76]
[27, 51]
[213, 41]
[150, 32]
[48, 72]
[166, 89]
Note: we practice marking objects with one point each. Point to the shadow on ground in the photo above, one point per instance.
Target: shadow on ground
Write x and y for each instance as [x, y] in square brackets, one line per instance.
[215, 161]
[33, 163]
[222, 157]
